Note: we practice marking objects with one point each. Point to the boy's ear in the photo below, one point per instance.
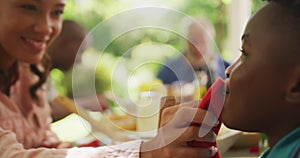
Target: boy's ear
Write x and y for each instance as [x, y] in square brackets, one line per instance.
[293, 95]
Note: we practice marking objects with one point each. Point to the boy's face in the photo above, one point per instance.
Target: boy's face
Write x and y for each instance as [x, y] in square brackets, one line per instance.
[260, 78]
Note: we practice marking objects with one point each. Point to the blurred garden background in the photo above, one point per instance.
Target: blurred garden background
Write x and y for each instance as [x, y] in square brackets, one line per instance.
[228, 17]
[122, 57]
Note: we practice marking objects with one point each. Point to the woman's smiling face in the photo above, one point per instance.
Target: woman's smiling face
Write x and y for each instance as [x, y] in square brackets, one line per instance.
[27, 27]
[259, 79]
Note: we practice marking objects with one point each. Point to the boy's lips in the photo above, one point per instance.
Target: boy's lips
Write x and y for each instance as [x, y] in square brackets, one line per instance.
[227, 85]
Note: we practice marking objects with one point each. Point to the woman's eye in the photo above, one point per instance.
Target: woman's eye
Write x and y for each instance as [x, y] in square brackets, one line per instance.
[58, 12]
[29, 7]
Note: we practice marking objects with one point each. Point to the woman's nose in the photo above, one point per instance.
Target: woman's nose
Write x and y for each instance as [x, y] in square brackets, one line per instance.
[43, 26]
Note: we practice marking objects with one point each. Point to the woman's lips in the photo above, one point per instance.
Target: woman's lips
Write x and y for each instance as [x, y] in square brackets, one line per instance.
[36, 44]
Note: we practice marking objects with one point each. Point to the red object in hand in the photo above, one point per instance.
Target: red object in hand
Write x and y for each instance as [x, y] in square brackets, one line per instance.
[215, 97]
[94, 143]
[254, 149]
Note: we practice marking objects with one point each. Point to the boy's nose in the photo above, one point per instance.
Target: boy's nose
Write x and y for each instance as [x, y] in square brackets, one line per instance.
[230, 68]
[227, 72]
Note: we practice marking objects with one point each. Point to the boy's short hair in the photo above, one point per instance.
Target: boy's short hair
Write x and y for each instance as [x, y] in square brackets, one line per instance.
[292, 10]
[291, 3]
[289, 21]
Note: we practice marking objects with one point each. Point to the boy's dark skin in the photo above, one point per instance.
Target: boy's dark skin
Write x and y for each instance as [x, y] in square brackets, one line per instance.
[263, 85]
[263, 88]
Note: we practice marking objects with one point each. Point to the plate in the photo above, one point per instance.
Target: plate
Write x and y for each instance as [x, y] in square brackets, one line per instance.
[226, 138]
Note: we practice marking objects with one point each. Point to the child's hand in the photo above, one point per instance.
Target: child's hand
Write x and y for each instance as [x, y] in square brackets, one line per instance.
[175, 132]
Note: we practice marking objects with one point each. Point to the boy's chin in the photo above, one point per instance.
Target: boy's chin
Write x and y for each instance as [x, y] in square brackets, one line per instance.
[238, 126]
[231, 126]
[232, 123]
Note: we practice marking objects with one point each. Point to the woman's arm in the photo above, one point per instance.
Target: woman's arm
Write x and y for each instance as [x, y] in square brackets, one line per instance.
[11, 148]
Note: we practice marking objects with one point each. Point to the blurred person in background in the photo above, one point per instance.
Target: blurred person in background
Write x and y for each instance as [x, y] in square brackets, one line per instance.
[71, 42]
[186, 67]
[67, 45]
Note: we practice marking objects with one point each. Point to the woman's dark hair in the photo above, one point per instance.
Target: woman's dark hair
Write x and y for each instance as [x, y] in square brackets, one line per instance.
[43, 75]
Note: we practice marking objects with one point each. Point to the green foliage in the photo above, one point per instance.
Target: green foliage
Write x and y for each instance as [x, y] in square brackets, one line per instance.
[134, 38]
[57, 81]
[256, 4]
[206, 8]
[91, 12]
[102, 79]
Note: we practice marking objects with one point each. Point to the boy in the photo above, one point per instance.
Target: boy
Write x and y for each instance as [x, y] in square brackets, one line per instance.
[263, 85]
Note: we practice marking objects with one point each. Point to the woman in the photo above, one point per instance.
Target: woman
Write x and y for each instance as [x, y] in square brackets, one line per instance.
[27, 27]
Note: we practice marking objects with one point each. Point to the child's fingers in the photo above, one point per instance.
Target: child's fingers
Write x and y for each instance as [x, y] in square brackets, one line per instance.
[64, 145]
[182, 113]
[49, 144]
[185, 115]
[191, 133]
[169, 112]
[192, 104]
[209, 137]
[51, 140]
[176, 124]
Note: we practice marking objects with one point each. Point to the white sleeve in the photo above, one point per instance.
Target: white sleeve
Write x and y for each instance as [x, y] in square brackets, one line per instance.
[124, 150]
[11, 148]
